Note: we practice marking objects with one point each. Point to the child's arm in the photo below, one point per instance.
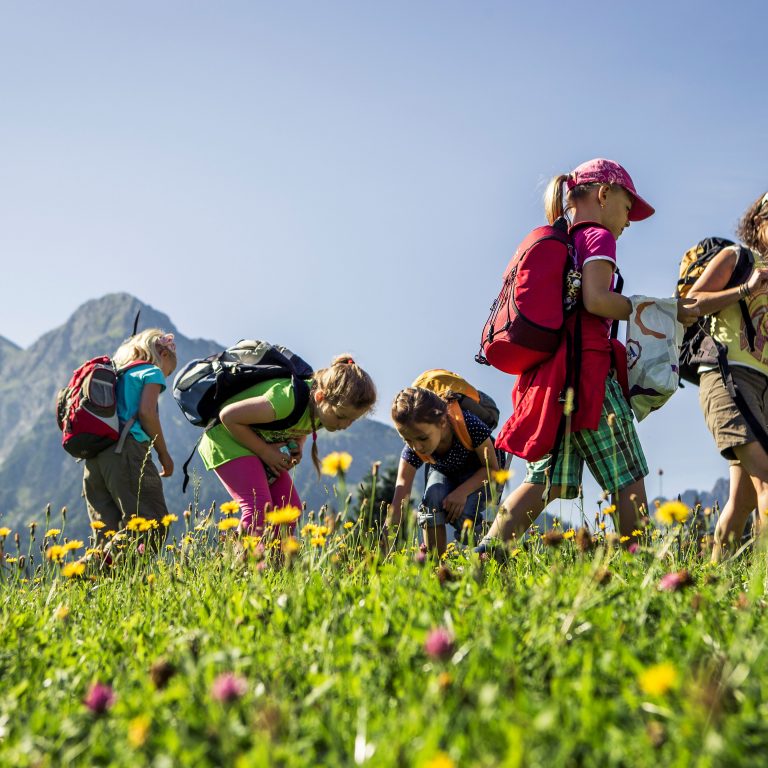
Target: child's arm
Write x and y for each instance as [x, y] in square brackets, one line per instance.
[710, 291]
[238, 418]
[405, 474]
[600, 300]
[150, 423]
[596, 293]
[456, 500]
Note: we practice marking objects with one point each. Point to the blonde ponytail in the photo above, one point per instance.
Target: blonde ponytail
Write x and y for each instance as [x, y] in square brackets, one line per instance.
[343, 383]
[553, 198]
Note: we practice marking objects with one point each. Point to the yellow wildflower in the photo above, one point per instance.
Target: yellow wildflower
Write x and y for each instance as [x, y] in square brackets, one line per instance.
[672, 512]
[283, 515]
[290, 545]
[135, 523]
[309, 528]
[637, 532]
[229, 508]
[501, 476]
[441, 760]
[150, 578]
[602, 526]
[138, 730]
[73, 569]
[97, 525]
[170, 547]
[168, 519]
[349, 524]
[109, 534]
[93, 551]
[657, 680]
[610, 510]
[623, 539]
[55, 553]
[61, 613]
[317, 541]
[4, 532]
[72, 545]
[336, 462]
[148, 525]
[569, 534]
[11, 560]
[51, 532]
[227, 523]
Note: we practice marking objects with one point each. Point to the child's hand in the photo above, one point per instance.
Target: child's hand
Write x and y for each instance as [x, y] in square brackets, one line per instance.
[166, 462]
[275, 459]
[688, 311]
[454, 504]
[757, 280]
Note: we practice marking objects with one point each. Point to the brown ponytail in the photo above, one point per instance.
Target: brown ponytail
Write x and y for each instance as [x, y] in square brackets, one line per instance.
[416, 405]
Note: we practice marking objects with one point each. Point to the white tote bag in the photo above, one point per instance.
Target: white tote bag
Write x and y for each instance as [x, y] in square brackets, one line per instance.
[654, 336]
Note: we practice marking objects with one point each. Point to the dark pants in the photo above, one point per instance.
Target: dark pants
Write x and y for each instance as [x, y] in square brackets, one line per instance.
[119, 486]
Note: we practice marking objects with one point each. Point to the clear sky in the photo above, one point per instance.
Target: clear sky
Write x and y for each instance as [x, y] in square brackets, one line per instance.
[354, 176]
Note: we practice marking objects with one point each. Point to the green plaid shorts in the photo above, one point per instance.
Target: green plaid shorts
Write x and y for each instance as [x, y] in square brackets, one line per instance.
[614, 455]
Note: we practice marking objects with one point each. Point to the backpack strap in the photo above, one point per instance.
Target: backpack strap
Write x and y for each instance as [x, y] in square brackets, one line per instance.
[745, 263]
[301, 395]
[126, 430]
[618, 288]
[458, 427]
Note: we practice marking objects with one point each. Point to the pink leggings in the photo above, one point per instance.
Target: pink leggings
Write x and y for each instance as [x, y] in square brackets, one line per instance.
[245, 479]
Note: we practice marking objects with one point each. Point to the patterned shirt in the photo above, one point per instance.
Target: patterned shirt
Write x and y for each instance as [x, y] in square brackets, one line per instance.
[458, 461]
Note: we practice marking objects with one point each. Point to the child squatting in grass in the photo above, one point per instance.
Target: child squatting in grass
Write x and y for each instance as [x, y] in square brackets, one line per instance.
[457, 487]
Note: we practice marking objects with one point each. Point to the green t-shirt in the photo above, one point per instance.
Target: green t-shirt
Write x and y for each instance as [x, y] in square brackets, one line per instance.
[218, 446]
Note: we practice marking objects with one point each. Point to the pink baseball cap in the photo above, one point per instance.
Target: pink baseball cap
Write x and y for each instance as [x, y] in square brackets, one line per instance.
[605, 171]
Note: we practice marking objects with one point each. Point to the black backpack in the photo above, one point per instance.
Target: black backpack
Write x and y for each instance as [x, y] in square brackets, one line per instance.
[203, 386]
[698, 347]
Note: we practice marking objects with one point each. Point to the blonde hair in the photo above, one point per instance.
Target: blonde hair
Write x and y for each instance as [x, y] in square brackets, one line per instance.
[142, 346]
[345, 384]
[557, 204]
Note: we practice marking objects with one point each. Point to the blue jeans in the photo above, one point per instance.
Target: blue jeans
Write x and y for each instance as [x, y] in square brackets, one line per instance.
[431, 512]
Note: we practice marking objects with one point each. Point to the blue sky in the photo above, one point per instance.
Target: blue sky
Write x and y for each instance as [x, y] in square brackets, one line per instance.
[355, 176]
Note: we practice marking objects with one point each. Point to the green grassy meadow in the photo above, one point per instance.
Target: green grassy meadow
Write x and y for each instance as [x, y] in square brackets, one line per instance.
[570, 653]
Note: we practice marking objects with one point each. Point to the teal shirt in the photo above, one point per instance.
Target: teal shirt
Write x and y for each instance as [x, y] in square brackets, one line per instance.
[129, 387]
[217, 445]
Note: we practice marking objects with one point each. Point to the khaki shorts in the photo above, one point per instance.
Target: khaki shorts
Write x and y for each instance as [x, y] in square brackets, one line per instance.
[722, 416]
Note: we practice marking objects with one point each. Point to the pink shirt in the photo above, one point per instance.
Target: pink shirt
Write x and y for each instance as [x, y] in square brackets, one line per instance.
[595, 244]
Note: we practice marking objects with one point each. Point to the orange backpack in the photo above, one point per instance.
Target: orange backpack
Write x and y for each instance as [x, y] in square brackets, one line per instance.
[459, 394]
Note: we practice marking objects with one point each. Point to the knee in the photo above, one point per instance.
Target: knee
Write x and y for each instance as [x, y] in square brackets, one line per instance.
[433, 497]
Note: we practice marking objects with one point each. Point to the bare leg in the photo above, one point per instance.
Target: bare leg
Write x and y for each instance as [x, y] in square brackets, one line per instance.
[630, 503]
[518, 511]
[742, 499]
[435, 538]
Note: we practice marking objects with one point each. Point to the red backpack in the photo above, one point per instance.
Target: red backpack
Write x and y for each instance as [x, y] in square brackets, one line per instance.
[86, 409]
[541, 287]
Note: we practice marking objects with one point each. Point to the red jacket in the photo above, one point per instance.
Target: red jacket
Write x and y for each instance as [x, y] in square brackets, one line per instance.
[536, 396]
